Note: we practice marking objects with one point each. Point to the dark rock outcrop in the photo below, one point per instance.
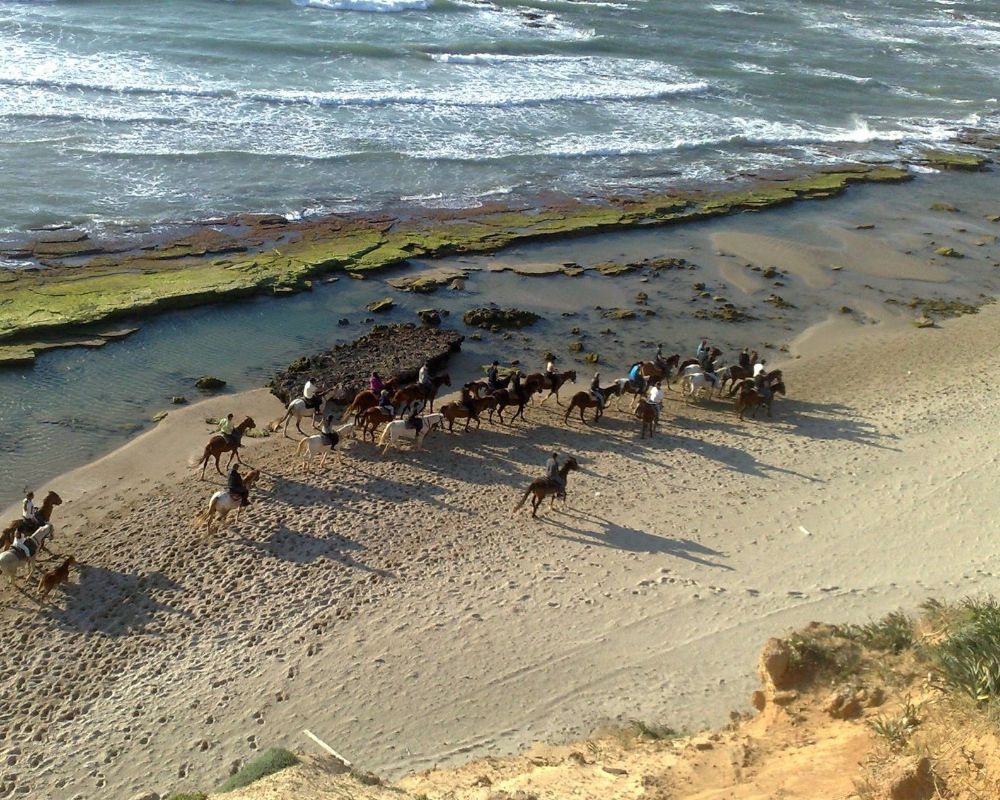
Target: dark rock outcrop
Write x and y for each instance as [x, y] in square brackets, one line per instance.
[391, 350]
[499, 318]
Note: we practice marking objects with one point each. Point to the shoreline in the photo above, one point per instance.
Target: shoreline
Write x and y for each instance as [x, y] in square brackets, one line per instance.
[84, 285]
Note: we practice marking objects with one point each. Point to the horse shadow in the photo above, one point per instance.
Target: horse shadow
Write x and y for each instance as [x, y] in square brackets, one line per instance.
[114, 603]
[621, 537]
[830, 421]
[296, 547]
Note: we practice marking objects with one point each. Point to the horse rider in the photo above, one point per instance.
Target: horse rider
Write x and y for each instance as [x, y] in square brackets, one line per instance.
[550, 371]
[703, 348]
[236, 487]
[469, 403]
[515, 385]
[493, 376]
[312, 395]
[424, 378]
[655, 399]
[328, 433]
[708, 365]
[385, 403]
[227, 430]
[745, 360]
[759, 368]
[414, 422]
[635, 376]
[658, 359]
[552, 474]
[30, 521]
[595, 390]
[760, 381]
[375, 384]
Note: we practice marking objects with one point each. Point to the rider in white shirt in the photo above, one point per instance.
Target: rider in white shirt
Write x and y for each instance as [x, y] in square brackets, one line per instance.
[28, 510]
[424, 376]
[759, 368]
[311, 394]
[655, 397]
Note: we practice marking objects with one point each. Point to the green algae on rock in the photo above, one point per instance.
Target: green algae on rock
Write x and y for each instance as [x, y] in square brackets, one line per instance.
[284, 258]
[943, 159]
[383, 304]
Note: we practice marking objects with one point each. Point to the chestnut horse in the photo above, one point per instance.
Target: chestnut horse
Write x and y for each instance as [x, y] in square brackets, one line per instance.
[370, 419]
[219, 444]
[543, 487]
[414, 391]
[771, 377]
[553, 381]
[656, 371]
[582, 400]
[731, 375]
[457, 410]
[481, 388]
[44, 514]
[366, 399]
[646, 414]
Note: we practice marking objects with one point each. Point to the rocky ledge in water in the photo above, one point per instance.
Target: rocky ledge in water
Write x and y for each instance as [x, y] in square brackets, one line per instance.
[394, 351]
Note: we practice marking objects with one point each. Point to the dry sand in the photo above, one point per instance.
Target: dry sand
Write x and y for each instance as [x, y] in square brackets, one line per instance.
[394, 607]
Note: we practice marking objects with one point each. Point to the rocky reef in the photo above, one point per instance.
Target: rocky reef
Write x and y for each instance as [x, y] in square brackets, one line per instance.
[498, 319]
[394, 351]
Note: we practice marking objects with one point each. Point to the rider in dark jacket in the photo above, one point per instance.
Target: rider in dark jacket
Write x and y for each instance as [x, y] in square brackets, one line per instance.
[492, 376]
[236, 486]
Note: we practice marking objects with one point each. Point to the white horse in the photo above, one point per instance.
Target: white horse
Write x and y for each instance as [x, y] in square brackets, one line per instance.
[297, 408]
[24, 550]
[311, 445]
[398, 430]
[222, 503]
[694, 385]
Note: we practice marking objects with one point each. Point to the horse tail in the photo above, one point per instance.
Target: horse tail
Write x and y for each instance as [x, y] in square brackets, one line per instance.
[350, 410]
[384, 434]
[197, 461]
[523, 498]
[302, 443]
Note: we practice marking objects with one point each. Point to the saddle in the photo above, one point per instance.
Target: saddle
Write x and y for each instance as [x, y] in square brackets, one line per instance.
[24, 549]
[313, 402]
[330, 439]
[416, 424]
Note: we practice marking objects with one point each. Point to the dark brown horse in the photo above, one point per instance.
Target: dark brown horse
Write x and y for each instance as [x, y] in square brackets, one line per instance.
[366, 399]
[482, 388]
[774, 376]
[543, 487]
[43, 514]
[646, 414]
[458, 410]
[531, 385]
[219, 444]
[584, 400]
[553, 381]
[750, 398]
[414, 391]
[732, 374]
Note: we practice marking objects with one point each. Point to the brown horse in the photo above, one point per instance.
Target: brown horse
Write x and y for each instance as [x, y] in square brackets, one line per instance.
[646, 414]
[653, 371]
[457, 410]
[366, 399]
[414, 391]
[370, 419]
[583, 400]
[552, 381]
[43, 514]
[543, 487]
[750, 398]
[732, 374]
[219, 444]
[482, 388]
[774, 376]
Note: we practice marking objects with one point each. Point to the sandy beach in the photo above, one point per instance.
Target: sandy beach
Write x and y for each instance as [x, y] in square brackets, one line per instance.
[395, 607]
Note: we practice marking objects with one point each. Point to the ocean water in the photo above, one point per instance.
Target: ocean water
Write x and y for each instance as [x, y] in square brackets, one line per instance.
[124, 113]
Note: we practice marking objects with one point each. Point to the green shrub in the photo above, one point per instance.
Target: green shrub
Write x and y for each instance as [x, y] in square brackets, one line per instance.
[189, 796]
[267, 763]
[969, 657]
[893, 633]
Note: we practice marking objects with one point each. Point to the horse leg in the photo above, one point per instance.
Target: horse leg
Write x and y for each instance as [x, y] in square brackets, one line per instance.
[217, 468]
[536, 501]
[322, 460]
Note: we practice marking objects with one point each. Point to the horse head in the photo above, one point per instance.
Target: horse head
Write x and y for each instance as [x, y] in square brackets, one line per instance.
[247, 424]
[251, 478]
[779, 388]
[570, 375]
[443, 379]
[569, 465]
[52, 499]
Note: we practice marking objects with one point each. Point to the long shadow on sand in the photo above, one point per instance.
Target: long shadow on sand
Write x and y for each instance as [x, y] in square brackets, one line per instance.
[620, 537]
[114, 603]
[302, 548]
